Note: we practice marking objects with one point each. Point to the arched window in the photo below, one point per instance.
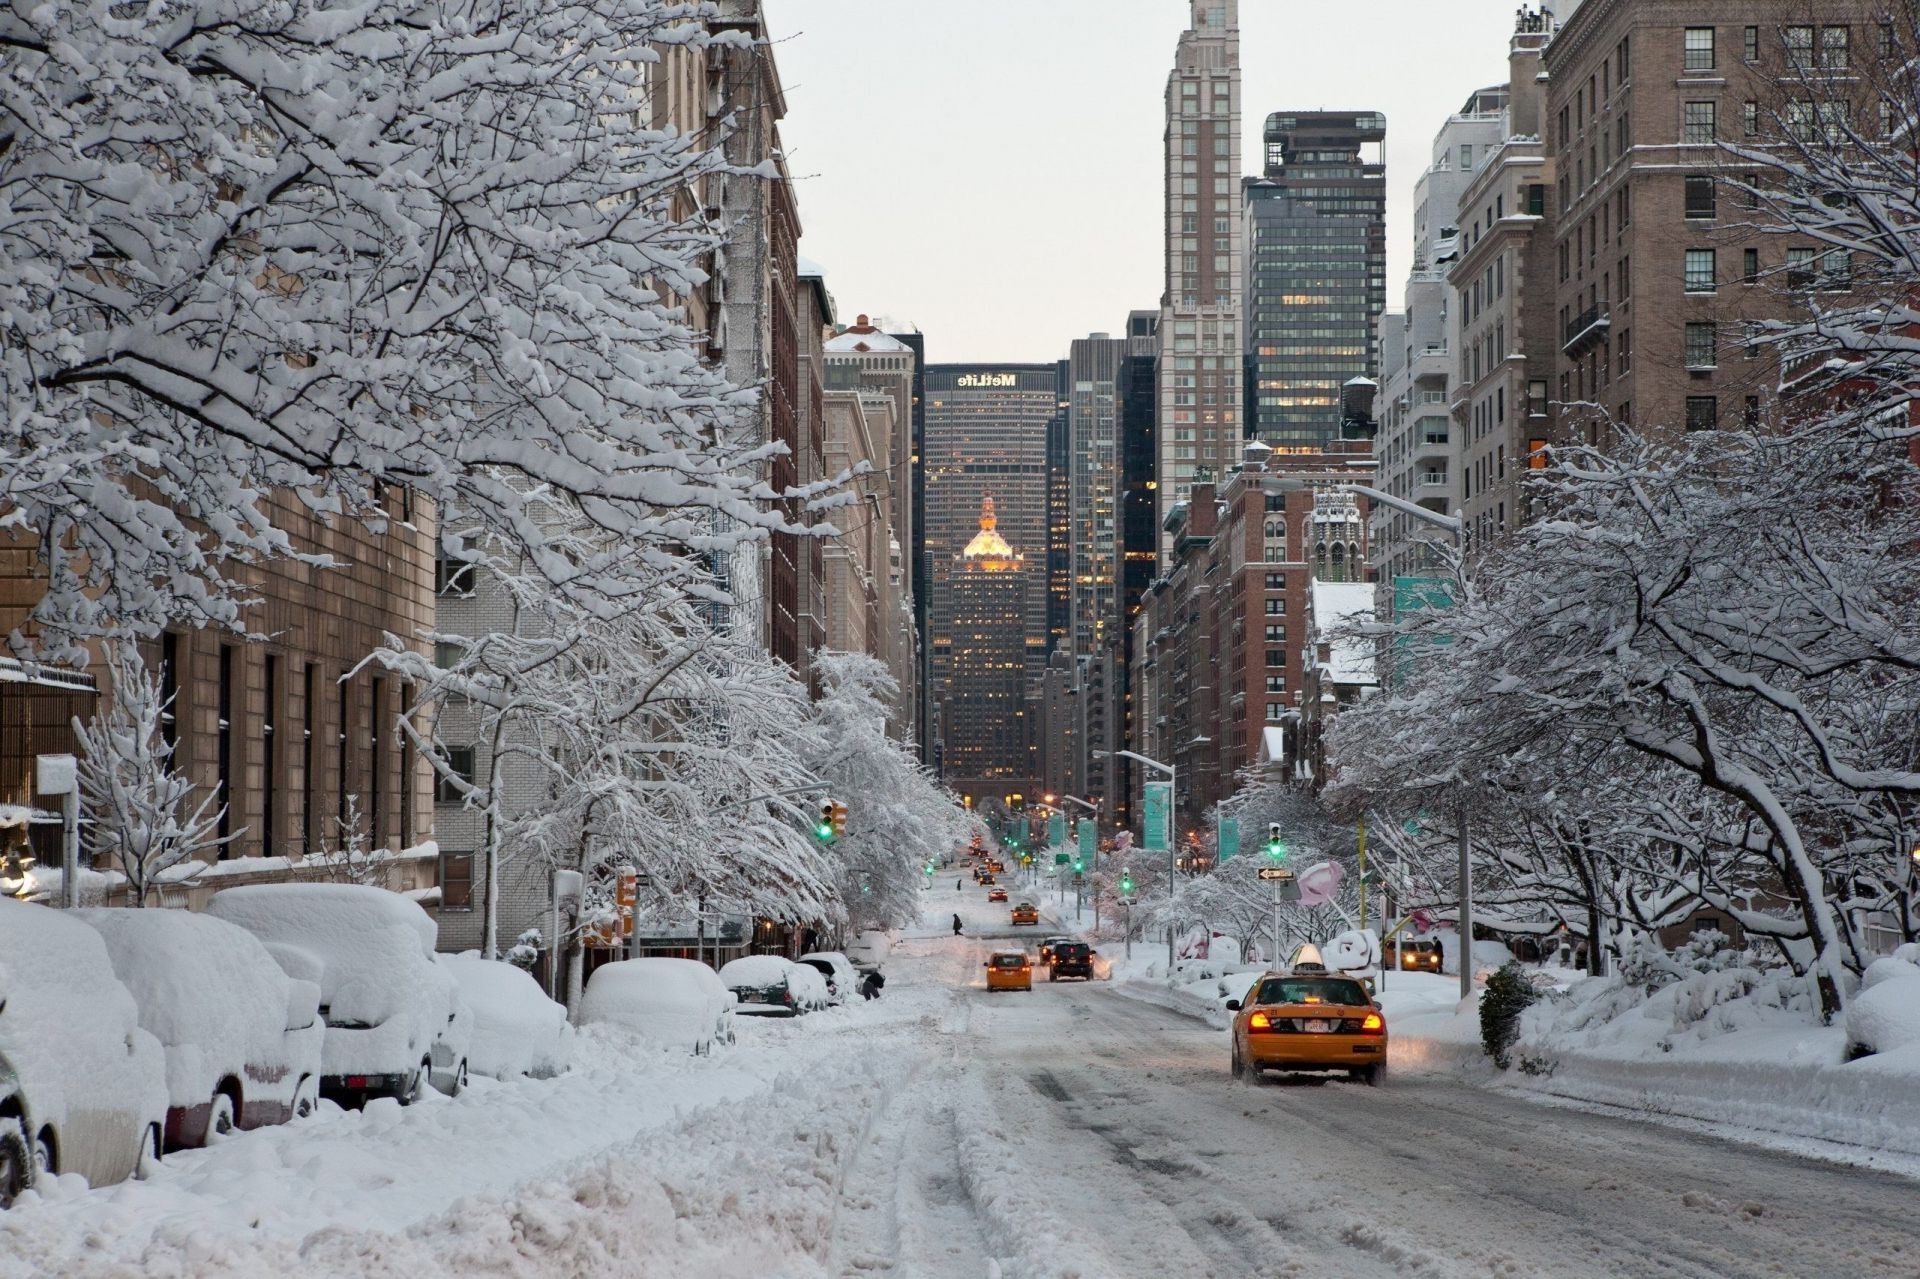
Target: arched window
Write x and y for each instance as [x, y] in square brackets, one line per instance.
[1339, 569]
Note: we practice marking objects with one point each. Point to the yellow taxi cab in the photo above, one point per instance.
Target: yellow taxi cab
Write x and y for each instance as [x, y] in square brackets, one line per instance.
[1308, 1019]
[1026, 913]
[1009, 970]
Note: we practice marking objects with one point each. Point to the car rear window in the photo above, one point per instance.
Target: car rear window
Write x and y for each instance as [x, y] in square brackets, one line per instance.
[1312, 990]
[1009, 961]
[1071, 950]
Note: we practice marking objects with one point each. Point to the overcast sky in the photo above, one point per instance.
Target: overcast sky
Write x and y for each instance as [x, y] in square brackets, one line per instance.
[989, 170]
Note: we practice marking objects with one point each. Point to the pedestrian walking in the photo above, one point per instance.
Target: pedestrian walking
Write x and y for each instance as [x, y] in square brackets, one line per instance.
[956, 925]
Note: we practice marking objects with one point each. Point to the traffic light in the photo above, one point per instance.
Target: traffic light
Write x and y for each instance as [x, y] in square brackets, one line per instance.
[823, 829]
[1079, 865]
[839, 818]
[1126, 882]
[1276, 847]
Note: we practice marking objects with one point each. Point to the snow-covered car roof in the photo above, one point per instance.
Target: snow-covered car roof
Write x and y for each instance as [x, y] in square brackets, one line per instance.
[332, 914]
[672, 1001]
[759, 970]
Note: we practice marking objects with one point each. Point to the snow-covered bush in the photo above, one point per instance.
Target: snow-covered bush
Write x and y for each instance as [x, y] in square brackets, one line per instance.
[1885, 1016]
[1508, 995]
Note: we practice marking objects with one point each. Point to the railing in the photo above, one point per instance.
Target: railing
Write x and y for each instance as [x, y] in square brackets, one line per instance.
[1586, 329]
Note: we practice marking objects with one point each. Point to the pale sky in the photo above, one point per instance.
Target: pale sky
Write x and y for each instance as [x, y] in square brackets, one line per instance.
[989, 170]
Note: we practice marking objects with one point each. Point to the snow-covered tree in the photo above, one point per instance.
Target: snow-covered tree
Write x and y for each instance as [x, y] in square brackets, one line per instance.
[140, 812]
[256, 247]
[899, 820]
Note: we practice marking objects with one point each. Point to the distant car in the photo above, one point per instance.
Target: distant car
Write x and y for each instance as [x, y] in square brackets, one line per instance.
[242, 1039]
[997, 895]
[1308, 1019]
[518, 1033]
[1071, 959]
[1413, 954]
[843, 983]
[767, 985]
[679, 1003]
[1026, 913]
[83, 1086]
[395, 1020]
[1046, 948]
[986, 881]
[1009, 970]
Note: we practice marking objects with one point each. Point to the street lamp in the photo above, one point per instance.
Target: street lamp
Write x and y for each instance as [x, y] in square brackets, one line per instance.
[1172, 796]
[1457, 527]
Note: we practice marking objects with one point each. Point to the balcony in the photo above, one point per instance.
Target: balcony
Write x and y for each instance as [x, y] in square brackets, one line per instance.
[1586, 330]
[1433, 479]
[1432, 360]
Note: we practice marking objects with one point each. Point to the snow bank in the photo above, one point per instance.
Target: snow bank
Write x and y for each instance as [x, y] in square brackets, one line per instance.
[1884, 1018]
[214, 998]
[676, 1003]
[517, 1030]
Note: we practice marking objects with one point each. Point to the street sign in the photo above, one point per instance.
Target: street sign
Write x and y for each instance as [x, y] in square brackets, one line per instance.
[1158, 825]
[1229, 837]
[1280, 873]
[1059, 859]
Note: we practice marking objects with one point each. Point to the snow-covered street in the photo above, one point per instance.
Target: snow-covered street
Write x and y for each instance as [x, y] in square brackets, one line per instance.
[944, 1131]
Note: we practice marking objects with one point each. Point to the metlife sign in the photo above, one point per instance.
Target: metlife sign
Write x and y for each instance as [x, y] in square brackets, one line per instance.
[978, 381]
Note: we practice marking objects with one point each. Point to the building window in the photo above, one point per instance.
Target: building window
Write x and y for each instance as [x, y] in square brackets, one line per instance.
[1276, 581]
[1750, 415]
[452, 574]
[1697, 123]
[223, 748]
[1623, 353]
[1703, 412]
[1799, 268]
[1836, 269]
[1750, 44]
[460, 764]
[448, 653]
[1834, 50]
[1698, 55]
[1700, 345]
[1466, 157]
[1799, 42]
[1537, 199]
[1275, 712]
[1276, 657]
[1750, 119]
[456, 882]
[1276, 683]
[1699, 196]
[1699, 271]
[1750, 266]
[1276, 634]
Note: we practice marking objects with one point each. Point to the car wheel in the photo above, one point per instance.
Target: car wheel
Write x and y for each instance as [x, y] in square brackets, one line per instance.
[16, 1162]
[221, 1118]
[1239, 1070]
[459, 1079]
[421, 1084]
[306, 1098]
[149, 1161]
[1369, 1075]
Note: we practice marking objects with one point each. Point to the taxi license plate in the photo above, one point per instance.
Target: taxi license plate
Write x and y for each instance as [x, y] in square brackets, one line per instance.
[1319, 1027]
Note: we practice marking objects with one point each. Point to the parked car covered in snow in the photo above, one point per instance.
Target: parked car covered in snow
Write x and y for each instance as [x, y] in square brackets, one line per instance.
[676, 1002]
[242, 1039]
[517, 1030]
[395, 1021]
[869, 950]
[89, 1090]
[843, 983]
[769, 986]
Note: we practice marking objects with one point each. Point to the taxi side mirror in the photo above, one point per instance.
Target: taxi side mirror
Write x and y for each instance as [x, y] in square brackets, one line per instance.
[1233, 1005]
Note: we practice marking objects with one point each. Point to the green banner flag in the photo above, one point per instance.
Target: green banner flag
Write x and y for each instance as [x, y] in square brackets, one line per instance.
[1158, 826]
[1229, 837]
[1088, 836]
[1057, 830]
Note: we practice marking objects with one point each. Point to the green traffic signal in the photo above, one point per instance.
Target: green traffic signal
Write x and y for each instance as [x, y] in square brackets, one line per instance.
[1126, 883]
[824, 831]
[1078, 865]
[1276, 846]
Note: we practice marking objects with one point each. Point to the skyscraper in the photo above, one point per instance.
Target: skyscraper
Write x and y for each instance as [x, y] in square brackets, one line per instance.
[1059, 520]
[986, 432]
[986, 747]
[1316, 271]
[1093, 431]
[1200, 359]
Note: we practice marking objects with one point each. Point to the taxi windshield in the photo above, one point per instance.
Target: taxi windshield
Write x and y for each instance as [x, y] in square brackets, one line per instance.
[1311, 990]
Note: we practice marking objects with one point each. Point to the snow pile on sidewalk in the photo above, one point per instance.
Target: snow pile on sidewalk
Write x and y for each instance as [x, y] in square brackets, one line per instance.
[1707, 1035]
[1196, 987]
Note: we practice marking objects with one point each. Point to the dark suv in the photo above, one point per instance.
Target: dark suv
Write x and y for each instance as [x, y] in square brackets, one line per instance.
[1071, 959]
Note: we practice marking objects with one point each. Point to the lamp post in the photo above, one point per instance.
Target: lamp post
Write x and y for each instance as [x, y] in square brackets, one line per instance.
[1456, 526]
[1172, 797]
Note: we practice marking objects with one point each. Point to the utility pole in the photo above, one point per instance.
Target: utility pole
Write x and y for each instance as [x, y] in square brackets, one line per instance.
[1466, 903]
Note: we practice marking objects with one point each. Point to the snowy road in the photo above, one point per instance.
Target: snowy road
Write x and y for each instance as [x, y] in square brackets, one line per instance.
[945, 1132]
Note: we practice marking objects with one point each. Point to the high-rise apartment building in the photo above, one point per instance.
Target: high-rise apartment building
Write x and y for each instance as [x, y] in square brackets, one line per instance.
[1093, 428]
[1139, 548]
[1658, 268]
[1316, 271]
[1419, 447]
[986, 432]
[1506, 340]
[1199, 331]
[1059, 521]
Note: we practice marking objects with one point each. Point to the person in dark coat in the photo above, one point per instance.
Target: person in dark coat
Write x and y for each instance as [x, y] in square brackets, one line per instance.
[870, 988]
[956, 925]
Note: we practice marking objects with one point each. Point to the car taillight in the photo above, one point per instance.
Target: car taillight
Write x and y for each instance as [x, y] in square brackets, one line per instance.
[1259, 1021]
[1373, 1024]
[356, 1081]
